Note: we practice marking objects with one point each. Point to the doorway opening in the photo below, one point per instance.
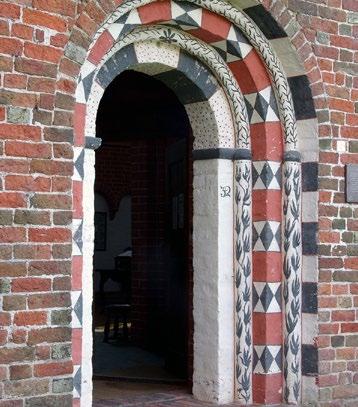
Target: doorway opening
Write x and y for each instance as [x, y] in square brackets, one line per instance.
[142, 309]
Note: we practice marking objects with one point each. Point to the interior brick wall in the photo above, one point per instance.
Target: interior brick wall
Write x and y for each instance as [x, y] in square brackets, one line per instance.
[36, 136]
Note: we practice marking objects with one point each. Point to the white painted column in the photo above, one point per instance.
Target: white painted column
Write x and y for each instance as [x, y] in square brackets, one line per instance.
[87, 277]
[292, 282]
[213, 377]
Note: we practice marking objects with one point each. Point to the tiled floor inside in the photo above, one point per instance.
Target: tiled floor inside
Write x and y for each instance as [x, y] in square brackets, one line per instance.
[126, 394]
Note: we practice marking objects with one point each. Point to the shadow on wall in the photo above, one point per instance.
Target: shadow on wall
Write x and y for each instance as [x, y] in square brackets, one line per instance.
[115, 236]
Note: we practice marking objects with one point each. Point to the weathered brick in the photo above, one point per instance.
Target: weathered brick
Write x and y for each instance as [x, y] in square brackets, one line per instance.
[51, 300]
[50, 401]
[61, 317]
[6, 217]
[42, 19]
[31, 217]
[62, 385]
[62, 184]
[18, 115]
[62, 150]
[62, 284]
[12, 200]
[20, 372]
[53, 235]
[15, 81]
[18, 354]
[50, 267]
[34, 67]
[12, 269]
[30, 318]
[31, 284]
[60, 251]
[21, 149]
[49, 335]
[42, 52]
[53, 369]
[19, 132]
[61, 351]
[27, 183]
[10, 46]
[22, 31]
[5, 252]
[58, 135]
[51, 167]
[14, 302]
[32, 252]
[53, 201]
[25, 388]
[62, 218]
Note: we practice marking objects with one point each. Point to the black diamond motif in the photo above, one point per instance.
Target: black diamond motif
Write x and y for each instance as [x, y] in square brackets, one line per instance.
[255, 297]
[261, 106]
[255, 359]
[266, 359]
[266, 235]
[278, 295]
[255, 236]
[87, 84]
[278, 176]
[278, 358]
[250, 109]
[278, 237]
[79, 164]
[77, 381]
[266, 175]
[78, 309]
[255, 175]
[77, 237]
[266, 297]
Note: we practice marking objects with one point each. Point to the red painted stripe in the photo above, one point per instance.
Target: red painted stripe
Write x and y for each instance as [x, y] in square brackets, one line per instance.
[216, 24]
[79, 124]
[267, 266]
[77, 346]
[77, 199]
[267, 141]
[155, 12]
[101, 47]
[267, 328]
[77, 265]
[267, 389]
[250, 73]
[267, 205]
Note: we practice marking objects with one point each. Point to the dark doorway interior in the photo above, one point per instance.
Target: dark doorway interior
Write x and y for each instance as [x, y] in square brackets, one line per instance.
[143, 255]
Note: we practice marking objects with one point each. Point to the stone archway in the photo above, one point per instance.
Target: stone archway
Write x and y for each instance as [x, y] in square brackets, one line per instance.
[253, 348]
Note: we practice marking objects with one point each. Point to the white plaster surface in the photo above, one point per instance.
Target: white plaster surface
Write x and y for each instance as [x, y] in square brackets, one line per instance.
[92, 107]
[310, 269]
[213, 378]
[307, 131]
[288, 57]
[87, 277]
[309, 328]
[310, 207]
[157, 52]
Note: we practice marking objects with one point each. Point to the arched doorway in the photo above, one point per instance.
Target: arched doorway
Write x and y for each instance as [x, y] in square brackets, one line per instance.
[143, 249]
[248, 115]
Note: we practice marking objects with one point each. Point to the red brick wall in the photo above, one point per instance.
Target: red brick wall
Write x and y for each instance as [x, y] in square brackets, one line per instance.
[325, 33]
[36, 120]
